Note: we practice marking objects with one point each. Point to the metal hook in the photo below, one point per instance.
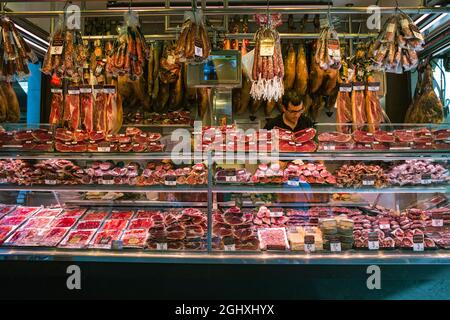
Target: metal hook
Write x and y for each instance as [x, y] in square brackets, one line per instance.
[330, 22]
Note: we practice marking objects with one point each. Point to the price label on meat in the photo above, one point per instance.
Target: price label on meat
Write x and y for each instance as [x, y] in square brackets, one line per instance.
[293, 183]
[373, 243]
[170, 183]
[198, 51]
[426, 179]
[368, 180]
[231, 179]
[104, 149]
[329, 147]
[437, 220]
[230, 247]
[267, 47]
[161, 246]
[335, 247]
[310, 243]
[57, 47]
[385, 224]
[418, 240]
[50, 182]
[106, 181]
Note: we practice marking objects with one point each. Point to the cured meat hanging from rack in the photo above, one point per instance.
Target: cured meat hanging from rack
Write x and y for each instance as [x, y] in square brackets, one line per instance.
[113, 112]
[100, 109]
[358, 106]
[374, 111]
[12, 106]
[56, 106]
[268, 67]
[344, 108]
[71, 116]
[302, 75]
[87, 109]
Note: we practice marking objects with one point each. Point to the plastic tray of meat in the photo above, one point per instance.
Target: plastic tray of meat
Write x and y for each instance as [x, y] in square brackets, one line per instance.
[88, 225]
[115, 225]
[37, 223]
[53, 236]
[273, 239]
[121, 215]
[146, 213]
[24, 211]
[77, 239]
[26, 238]
[134, 238]
[103, 239]
[94, 215]
[48, 213]
[5, 209]
[12, 221]
[64, 222]
[5, 231]
[136, 224]
[73, 213]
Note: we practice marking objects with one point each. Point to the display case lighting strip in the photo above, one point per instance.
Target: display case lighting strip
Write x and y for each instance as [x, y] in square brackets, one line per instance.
[432, 23]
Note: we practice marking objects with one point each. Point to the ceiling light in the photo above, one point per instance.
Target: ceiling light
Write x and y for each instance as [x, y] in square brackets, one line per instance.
[35, 45]
[432, 23]
[416, 22]
[441, 51]
[32, 35]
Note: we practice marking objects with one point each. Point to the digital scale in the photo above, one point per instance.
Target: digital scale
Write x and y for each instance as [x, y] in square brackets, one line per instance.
[222, 72]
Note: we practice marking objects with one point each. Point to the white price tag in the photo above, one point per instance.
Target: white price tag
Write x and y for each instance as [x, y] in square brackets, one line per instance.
[198, 51]
[215, 206]
[335, 247]
[231, 179]
[56, 50]
[345, 89]
[106, 182]
[170, 183]
[50, 182]
[276, 214]
[230, 247]
[368, 182]
[390, 27]
[293, 183]
[419, 247]
[171, 58]
[104, 149]
[161, 246]
[267, 51]
[310, 247]
[374, 245]
[329, 147]
[385, 226]
[437, 222]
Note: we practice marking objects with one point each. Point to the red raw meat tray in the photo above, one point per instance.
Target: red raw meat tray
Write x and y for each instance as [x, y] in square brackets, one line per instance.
[140, 224]
[88, 225]
[12, 220]
[64, 222]
[24, 211]
[37, 223]
[146, 214]
[95, 215]
[48, 213]
[26, 237]
[122, 215]
[134, 238]
[53, 236]
[77, 239]
[5, 209]
[73, 213]
[115, 225]
[104, 239]
[4, 232]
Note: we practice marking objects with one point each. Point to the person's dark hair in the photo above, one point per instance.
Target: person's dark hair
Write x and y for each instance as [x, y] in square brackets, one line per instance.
[293, 98]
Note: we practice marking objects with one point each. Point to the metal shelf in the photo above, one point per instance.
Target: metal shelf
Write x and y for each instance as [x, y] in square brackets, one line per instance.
[106, 188]
[315, 156]
[328, 190]
[351, 257]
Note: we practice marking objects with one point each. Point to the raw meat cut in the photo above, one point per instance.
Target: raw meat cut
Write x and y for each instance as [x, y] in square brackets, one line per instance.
[384, 137]
[140, 224]
[53, 237]
[273, 239]
[305, 135]
[95, 215]
[134, 238]
[64, 223]
[115, 225]
[103, 239]
[88, 225]
[334, 137]
[363, 137]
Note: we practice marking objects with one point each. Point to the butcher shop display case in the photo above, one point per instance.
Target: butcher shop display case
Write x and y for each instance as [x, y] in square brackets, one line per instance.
[328, 206]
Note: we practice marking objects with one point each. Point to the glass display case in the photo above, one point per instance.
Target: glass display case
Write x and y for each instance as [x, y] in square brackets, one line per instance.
[331, 205]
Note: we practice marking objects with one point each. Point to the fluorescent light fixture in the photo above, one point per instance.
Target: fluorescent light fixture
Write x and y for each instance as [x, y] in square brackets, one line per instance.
[421, 18]
[441, 51]
[35, 45]
[432, 23]
[32, 35]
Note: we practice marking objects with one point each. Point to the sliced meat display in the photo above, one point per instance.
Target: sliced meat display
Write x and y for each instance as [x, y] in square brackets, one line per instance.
[363, 137]
[337, 137]
[384, 137]
[305, 135]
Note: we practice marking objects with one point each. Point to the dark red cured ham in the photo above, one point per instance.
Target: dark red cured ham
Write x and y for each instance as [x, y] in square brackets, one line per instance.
[380, 146]
[442, 134]
[56, 107]
[404, 135]
[337, 137]
[71, 117]
[344, 108]
[384, 137]
[63, 135]
[305, 135]
[358, 106]
[363, 137]
[423, 136]
[87, 110]
[308, 146]
[24, 135]
[100, 123]
[42, 135]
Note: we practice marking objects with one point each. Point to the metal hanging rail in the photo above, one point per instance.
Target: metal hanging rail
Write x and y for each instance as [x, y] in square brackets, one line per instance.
[241, 36]
[236, 10]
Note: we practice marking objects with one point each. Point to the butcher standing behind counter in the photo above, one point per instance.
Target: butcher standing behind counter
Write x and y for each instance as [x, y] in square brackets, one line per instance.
[293, 117]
